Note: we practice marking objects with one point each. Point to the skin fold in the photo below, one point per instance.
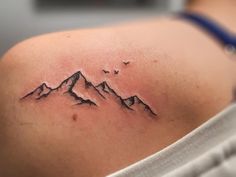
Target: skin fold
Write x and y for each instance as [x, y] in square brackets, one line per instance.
[182, 73]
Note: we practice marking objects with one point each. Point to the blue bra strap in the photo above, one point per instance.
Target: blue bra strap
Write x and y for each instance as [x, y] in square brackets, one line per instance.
[225, 37]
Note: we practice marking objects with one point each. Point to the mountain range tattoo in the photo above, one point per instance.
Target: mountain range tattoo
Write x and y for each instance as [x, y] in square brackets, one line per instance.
[102, 90]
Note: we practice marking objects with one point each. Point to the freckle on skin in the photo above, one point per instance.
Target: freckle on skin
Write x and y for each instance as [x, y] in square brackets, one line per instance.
[155, 61]
[74, 117]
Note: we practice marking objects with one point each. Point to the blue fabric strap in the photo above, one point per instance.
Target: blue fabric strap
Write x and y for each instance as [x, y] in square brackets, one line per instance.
[224, 36]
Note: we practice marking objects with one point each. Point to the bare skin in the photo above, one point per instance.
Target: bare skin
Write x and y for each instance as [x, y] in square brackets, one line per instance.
[179, 71]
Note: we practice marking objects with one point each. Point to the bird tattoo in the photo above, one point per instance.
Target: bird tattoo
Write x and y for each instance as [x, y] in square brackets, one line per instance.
[126, 62]
[116, 71]
[105, 71]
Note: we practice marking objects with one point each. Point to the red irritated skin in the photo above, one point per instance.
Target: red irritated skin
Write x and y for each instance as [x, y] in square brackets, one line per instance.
[89, 102]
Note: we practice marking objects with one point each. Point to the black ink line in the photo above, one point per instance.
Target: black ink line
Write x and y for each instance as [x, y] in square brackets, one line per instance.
[135, 99]
[104, 85]
[74, 78]
[40, 88]
[82, 101]
[123, 102]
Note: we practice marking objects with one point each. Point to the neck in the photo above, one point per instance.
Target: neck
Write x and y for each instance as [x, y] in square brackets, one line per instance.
[221, 10]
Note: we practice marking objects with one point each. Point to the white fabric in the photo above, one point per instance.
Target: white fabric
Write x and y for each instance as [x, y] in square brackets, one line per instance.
[208, 151]
[218, 162]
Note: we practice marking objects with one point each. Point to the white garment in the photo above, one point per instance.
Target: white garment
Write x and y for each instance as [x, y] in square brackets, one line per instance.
[208, 151]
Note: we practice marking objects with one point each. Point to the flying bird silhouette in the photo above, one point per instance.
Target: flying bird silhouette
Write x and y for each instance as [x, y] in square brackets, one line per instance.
[105, 71]
[116, 71]
[126, 62]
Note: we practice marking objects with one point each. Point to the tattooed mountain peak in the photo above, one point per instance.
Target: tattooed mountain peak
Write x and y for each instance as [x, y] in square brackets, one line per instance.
[102, 90]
